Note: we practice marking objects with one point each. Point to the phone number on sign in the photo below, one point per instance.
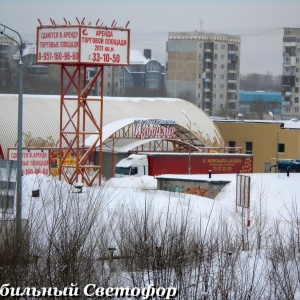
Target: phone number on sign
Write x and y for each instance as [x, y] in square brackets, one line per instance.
[58, 56]
[115, 58]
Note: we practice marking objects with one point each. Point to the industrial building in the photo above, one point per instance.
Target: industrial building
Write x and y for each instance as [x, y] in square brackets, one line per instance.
[268, 141]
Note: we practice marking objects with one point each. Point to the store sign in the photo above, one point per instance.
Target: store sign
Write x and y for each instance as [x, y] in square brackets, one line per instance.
[34, 161]
[153, 128]
[83, 44]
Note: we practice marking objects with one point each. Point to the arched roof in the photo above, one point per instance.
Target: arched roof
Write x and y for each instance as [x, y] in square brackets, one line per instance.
[41, 117]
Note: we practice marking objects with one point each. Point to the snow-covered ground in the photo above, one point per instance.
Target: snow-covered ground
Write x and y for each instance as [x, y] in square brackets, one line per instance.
[264, 271]
[274, 192]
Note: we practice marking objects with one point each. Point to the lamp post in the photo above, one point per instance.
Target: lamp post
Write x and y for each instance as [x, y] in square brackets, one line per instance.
[190, 139]
[20, 142]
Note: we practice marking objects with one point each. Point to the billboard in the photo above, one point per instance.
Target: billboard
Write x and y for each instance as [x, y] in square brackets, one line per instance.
[80, 44]
[34, 160]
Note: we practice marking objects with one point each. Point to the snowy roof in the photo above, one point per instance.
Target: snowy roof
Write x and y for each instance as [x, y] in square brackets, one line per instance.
[137, 57]
[286, 124]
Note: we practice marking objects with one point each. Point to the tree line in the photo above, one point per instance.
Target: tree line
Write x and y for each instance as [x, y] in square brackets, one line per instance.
[49, 83]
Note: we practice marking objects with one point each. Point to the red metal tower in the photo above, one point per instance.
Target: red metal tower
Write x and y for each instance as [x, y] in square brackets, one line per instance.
[76, 48]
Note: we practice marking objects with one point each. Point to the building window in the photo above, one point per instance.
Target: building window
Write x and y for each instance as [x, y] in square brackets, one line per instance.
[296, 109]
[231, 144]
[221, 96]
[222, 56]
[122, 83]
[216, 56]
[281, 148]
[296, 89]
[296, 99]
[222, 47]
[222, 86]
[215, 66]
[297, 79]
[248, 147]
[222, 66]
[222, 76]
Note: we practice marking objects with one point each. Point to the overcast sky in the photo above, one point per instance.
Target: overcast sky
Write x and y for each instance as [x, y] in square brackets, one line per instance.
[260, 23]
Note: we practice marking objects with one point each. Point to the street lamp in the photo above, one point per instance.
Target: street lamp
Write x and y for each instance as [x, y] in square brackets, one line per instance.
[20, 141]
[190, 128]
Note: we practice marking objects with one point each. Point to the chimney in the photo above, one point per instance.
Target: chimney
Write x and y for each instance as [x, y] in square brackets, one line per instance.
[147, 53]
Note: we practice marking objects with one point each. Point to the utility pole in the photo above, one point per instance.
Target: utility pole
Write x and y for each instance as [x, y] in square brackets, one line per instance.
[190, 140]
[20, 143]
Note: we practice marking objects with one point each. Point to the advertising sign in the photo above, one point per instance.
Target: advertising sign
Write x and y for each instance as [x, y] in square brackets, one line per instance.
[83, 44]
[153, 128]
[233, 164]
[34, 161]
[55, 158]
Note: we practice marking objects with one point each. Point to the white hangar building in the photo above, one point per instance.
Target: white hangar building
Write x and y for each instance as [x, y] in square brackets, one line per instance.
[41, 124]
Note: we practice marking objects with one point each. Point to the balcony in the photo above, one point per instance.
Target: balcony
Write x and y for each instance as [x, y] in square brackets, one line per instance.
[288, 80]
[231, 80]
[286, 103]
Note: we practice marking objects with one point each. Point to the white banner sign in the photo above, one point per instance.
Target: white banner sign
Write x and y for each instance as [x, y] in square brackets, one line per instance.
[34, 161]
[83, 44]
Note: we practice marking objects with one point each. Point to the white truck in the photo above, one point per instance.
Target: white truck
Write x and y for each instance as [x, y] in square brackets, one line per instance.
[134, 165]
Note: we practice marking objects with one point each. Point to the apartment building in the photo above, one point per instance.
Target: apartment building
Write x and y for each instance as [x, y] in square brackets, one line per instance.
[6, 51]
[291, 74]
[204, 68]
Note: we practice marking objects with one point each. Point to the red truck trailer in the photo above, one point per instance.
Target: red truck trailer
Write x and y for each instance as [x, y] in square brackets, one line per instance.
[157, 163]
